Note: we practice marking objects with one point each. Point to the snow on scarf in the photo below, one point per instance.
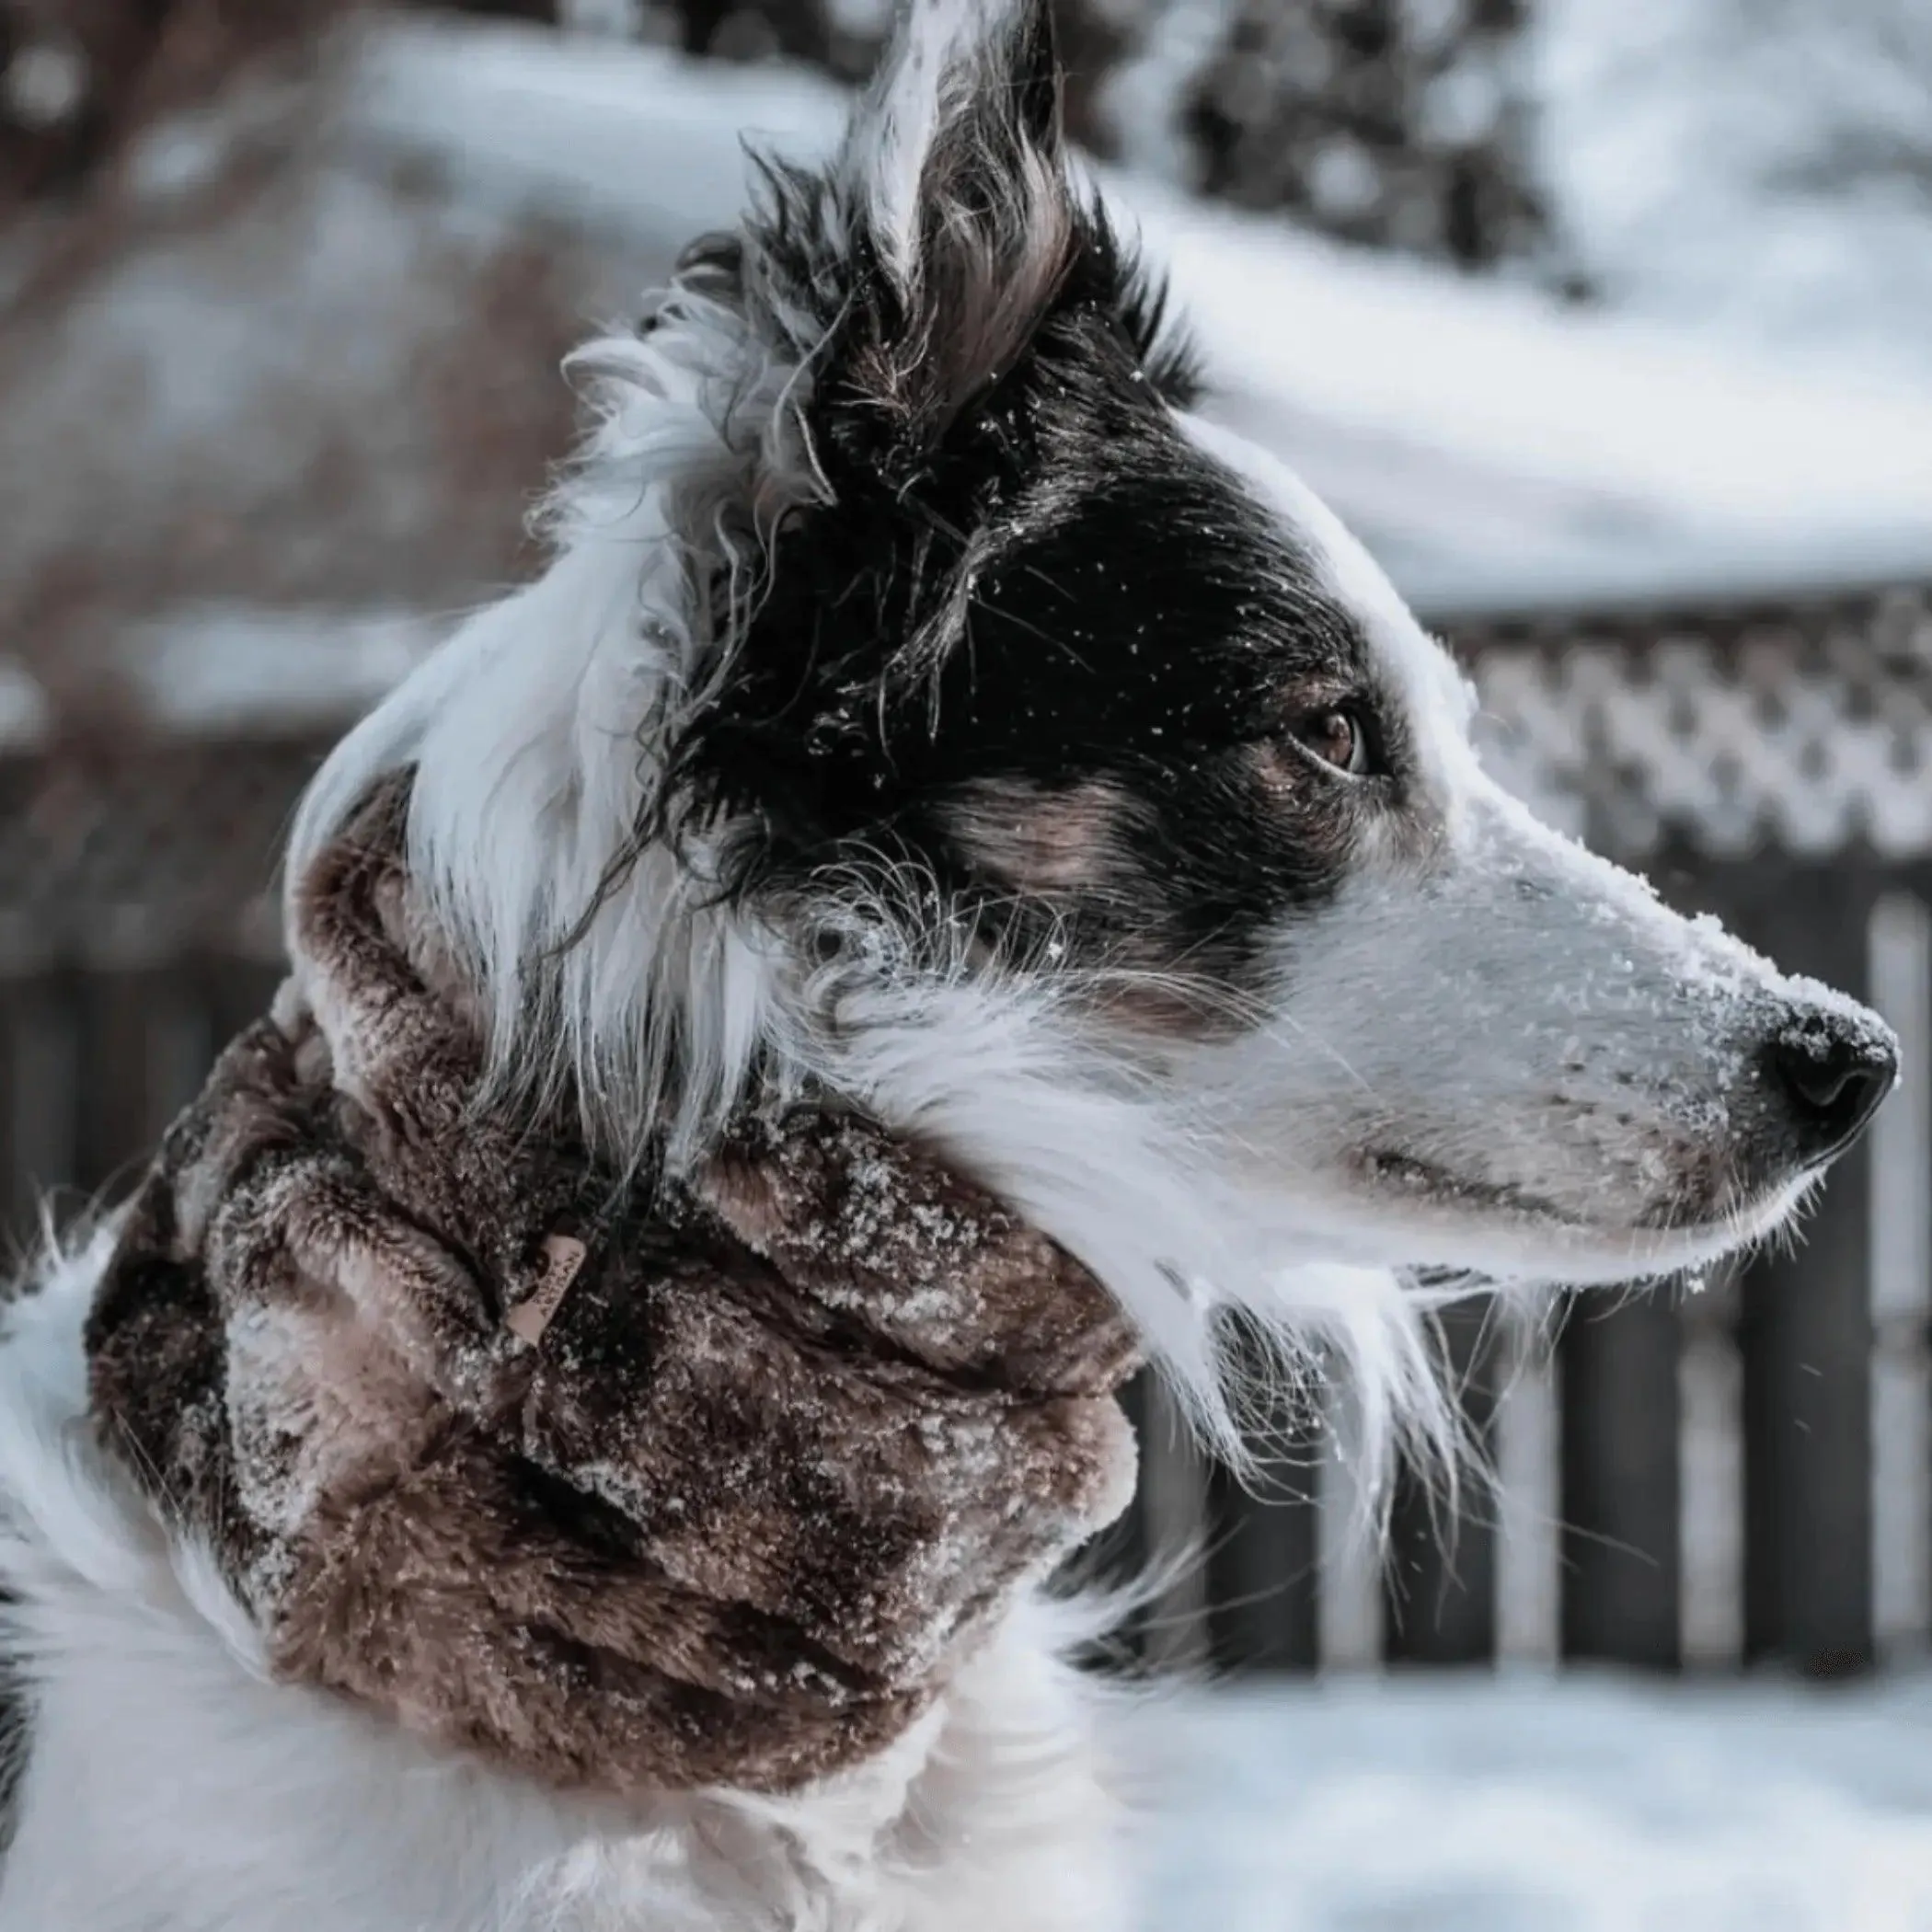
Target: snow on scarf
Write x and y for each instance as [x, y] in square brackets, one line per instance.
[632, 1487]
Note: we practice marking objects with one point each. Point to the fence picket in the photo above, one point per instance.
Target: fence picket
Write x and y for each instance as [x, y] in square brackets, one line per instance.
[1710, 1534]
[43, 1063]
[1806, 1333]
[1349, 1608]
[1618, 1362]
[1901, 1218]
[1529, 1500]
[1174, 1509]
[1263, 1558]
[1438, 1572]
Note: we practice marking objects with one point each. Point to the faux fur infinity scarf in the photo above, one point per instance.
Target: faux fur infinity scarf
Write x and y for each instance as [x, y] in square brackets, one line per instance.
[632, 1487]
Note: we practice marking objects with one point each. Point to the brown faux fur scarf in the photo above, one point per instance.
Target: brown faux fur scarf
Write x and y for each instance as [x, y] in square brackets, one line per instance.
[633, 1488]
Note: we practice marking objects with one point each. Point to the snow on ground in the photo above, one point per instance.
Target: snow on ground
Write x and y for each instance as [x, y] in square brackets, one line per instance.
[1494, 446]
[1759, 172]
[1473, 1804]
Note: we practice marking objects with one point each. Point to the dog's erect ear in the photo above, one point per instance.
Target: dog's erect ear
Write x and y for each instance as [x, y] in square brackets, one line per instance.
[954, 175]
[962, 114]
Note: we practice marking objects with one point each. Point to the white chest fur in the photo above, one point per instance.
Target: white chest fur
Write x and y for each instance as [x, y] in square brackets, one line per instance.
[171, 1788]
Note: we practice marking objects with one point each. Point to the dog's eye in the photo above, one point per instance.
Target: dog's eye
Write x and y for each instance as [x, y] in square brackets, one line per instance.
[1336, 737]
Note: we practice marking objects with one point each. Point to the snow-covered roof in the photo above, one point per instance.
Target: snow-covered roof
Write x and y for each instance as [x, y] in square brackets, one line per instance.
[1495, 448]
[305, 379]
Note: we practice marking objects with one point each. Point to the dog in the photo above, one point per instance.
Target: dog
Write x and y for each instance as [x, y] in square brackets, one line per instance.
[925, 704]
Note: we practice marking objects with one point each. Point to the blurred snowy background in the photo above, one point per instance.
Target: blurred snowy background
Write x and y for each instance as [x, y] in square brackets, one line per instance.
[1606, 322]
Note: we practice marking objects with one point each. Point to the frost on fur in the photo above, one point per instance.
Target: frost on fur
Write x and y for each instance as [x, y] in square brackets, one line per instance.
[922, 706]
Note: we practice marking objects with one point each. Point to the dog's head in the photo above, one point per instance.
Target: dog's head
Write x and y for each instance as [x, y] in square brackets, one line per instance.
[928, 703]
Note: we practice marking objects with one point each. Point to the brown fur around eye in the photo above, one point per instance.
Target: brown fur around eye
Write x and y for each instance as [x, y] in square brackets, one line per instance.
[1037, 839]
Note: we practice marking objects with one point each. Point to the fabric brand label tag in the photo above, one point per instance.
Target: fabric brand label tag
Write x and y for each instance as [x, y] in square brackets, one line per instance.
[563, 1258]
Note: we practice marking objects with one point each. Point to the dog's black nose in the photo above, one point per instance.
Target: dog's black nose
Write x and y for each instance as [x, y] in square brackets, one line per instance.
[1833, 1077]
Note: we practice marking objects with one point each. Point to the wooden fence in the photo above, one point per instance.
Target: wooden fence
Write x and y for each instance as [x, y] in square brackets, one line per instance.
[1685, 1481]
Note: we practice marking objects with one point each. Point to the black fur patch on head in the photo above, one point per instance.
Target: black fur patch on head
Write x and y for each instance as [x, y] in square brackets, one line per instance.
[1023, 584]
